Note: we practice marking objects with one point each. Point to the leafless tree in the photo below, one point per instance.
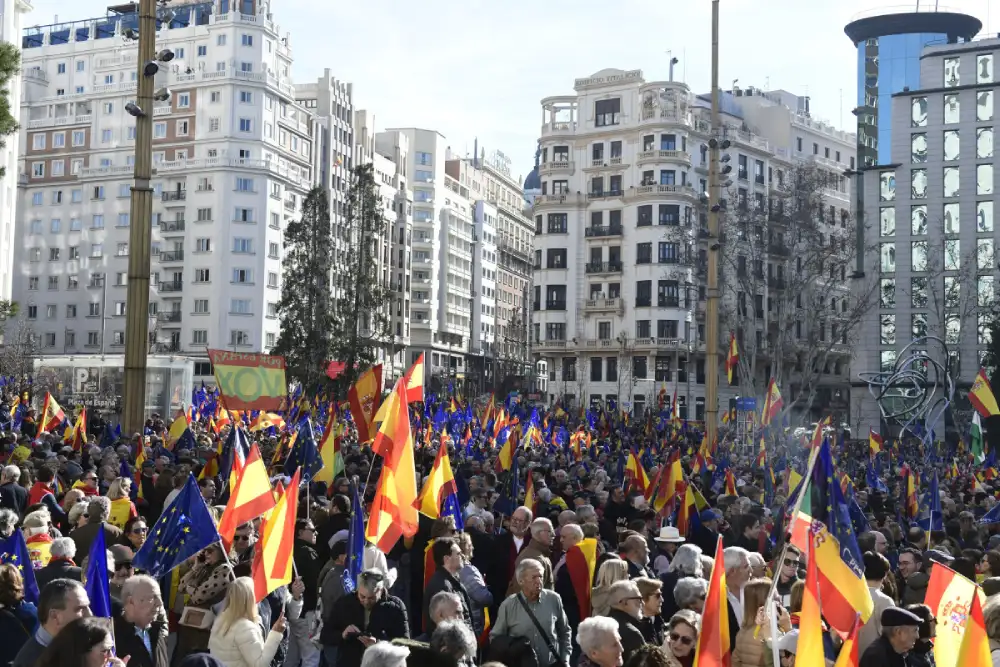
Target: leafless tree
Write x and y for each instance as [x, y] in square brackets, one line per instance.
[787, 288]
[19, 347]
[624, 379]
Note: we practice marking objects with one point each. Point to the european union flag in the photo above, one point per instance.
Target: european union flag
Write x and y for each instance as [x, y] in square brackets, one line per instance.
[13, 550]
[184, 529]
[355, 544]
[507, 502]
[97, 586]
[450, 507]
[304, 454]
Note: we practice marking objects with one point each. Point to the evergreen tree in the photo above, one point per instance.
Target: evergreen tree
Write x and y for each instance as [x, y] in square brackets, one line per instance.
[305, 306]
[362, 326]
[10, 65]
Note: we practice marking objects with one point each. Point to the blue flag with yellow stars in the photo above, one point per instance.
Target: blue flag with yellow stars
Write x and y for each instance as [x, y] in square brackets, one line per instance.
[355, 544]
[97, 585]
[185, 528]
[13, 550]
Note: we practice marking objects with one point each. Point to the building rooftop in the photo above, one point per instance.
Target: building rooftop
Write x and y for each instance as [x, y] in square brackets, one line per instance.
[883, 22]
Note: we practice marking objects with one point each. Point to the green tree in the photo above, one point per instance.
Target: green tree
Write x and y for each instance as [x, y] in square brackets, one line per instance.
[305, 307]
[362, 326]
[10, 65]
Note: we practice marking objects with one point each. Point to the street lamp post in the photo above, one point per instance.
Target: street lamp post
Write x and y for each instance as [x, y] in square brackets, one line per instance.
[141, 215]
[715, 195]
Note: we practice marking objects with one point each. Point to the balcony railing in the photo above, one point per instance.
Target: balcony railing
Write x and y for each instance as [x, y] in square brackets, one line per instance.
[555, 304]
[595, 231]
[176, 195]
[779, 249]
[170, 316]
[172, 226]
[668, 302]
[172, 286]
[172, 256]
[604, 267]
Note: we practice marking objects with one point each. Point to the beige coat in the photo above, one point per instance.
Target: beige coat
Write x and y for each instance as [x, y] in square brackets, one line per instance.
[243, 646]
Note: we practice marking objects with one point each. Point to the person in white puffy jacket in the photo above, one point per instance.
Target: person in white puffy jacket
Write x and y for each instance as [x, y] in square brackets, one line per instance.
[236, 639]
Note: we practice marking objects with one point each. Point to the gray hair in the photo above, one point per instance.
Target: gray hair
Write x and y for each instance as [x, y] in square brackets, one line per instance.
[474, 522]
[525, 565]
[371, 580]
[991, 614]
[526, 511]
[567, 517]
[98, 509]
[12, 473]
[585, 513]
[385, 654]
[539, 526]
[594, 632]
[734, 557]
[77, 510]
[136, 583]
[8, 521]
[707, 563]
[440, 600]
[571, 529]
[687, 560]
[626, 587]
[755, 559]
[63, 547]
[454, 638]
[689, 590]
[687, 617]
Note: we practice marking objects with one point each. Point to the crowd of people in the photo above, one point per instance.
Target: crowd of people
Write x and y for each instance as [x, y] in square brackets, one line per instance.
[489, 587]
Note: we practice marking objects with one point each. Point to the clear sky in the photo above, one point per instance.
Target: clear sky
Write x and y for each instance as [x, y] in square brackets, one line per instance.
[475, 69]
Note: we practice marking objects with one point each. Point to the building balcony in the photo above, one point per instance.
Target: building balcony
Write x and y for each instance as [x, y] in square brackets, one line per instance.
[780, 250]
[172, 226]
[171, 286]
[653, 156]
[668, 302]
[559, 129]
[171, 256]
[605, 305]
[560, 199]
[173, 316]
[662, 116]
[550, 345]
[176, 195]
[644, 192]
[604, 267]
[601, 343]
[553, 304]
[665, 344]
[602, 231]
[605, 194]
[556, 167]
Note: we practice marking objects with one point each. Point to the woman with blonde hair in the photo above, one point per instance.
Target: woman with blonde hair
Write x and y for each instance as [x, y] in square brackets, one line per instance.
[236, 637]
[611, 570]
[755, 628]
[122, 507]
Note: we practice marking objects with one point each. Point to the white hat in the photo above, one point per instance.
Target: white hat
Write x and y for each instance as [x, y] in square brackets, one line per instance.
[669, 534]
[789, 641]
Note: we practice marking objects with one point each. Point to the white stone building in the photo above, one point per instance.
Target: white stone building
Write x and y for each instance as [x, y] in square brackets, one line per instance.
[233, 159]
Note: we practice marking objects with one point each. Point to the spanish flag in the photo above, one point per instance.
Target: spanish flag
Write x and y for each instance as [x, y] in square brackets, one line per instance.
[440, 483]
[713, 640]
[636, 473]
[874, 442]
[52, 415]
[581, 561]
[817, 438]
[981, 396]
[529, 493]
[975, 648]
[848, 656]
[79, 436]
[364, 396]
[272, 560]
[732, 357]
[329, 451]
[772, 404]
[250, 497]
[809, 652]
[947, 591]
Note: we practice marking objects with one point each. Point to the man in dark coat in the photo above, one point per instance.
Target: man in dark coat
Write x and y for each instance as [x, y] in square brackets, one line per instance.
[447, 563]
[506, 549]
[13, 496]
[140, 626]
[900, 631]
[360, 620]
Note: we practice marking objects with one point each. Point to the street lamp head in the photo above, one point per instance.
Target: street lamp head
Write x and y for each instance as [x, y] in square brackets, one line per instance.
[162, 95]
[134, 110]
[150, 68]
[165, 56]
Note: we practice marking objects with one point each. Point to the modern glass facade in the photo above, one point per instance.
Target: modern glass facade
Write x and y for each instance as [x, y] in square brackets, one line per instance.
[886, 65]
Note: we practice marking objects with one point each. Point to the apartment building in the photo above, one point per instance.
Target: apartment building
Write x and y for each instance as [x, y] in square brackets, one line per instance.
[441, 274]
[933, 236]
[233, 159]
[11, 12]
[621, 242]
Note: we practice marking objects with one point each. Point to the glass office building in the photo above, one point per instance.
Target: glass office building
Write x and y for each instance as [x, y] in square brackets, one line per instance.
[889, 48]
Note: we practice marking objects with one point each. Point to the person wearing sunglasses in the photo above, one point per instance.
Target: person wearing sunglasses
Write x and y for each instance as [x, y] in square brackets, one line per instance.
[682, 635]
[626, 609]
[788, 574]
[787, 648]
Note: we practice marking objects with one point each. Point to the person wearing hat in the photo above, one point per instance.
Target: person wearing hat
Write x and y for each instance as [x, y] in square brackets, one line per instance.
[666, 545]
[900, 631]
[706, 535]
[787, 645]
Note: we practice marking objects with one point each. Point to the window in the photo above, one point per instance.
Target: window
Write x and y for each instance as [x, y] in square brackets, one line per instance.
[72, 282]
[202, 275]
[201, 306]
[54, 254]
[245, 125]
[204, 215]
[643, 253]
[203, 245]
[951, 73]
[98, 192]
[37, 199]
[182, 128]
[239, 338]
[97, 222]
[240, 307]
[38, 141]
[38, 170]
[79, 137]
[220, 40]
[244, 185]
[97, 250]
[159, 130]
[607, 112]
[74, 252]
[119, 308]
[58, 139]
[272, 280]
[202, 50]
[243, 276]
[273, 251]
[243, 215]
[243, 246]
[246, 97]
[952, 109]
[122, 250]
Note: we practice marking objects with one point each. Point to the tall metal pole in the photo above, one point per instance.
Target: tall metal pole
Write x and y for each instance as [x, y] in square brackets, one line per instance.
[137, 303]
[714, 198]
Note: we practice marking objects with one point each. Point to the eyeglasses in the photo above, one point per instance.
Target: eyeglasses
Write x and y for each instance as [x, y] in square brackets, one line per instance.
[123, 566]
[138, 530]
[372, 576]
[241, 538]
[791, 563]
[308, 529]
[682, 639]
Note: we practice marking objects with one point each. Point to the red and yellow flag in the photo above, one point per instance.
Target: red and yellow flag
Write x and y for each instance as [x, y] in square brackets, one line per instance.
[732, 357]
[713, 640]
[809, 651]
[581, 561]
[848, 656]
[981, 396]
[636, 473]
[440, 482]
[393, 514]
[974, 650]
[272, 561]
[329, 450]
[52, 415]
[772, 404]
[250, 497]
[817, 438]
[364, 396]
[874, 442]
[949, 595]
